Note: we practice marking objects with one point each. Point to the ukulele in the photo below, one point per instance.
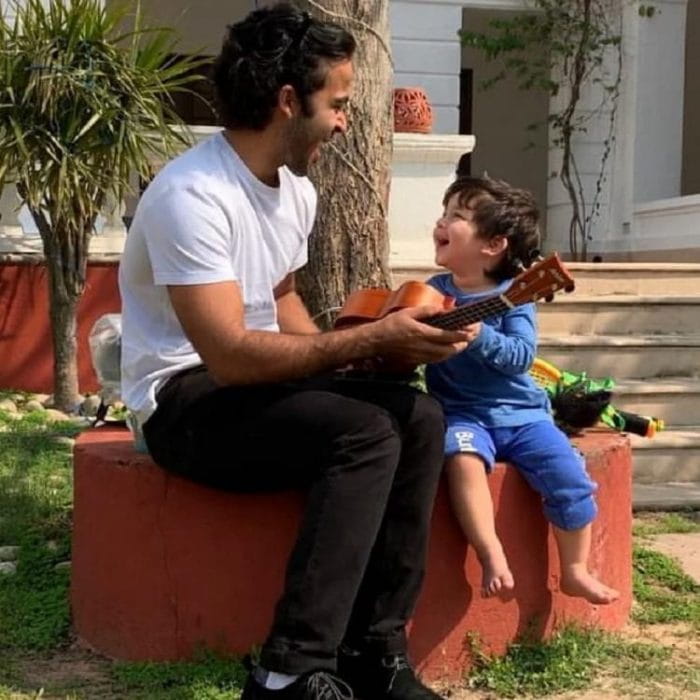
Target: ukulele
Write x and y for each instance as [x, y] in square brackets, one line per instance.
[542, 280]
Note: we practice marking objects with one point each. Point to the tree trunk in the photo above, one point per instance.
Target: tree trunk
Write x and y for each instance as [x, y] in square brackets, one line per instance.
[63, 311]
[349, 247]
[65, 252]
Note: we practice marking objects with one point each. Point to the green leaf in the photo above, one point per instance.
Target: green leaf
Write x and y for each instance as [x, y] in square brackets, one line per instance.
[90, 123]
[85, 104]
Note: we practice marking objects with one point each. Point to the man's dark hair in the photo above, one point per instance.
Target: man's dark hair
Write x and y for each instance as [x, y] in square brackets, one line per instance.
[270, 48]
[501, 210]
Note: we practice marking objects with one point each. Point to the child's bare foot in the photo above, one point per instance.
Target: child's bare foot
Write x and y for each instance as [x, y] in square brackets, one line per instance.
[580, 583]
[497, 577]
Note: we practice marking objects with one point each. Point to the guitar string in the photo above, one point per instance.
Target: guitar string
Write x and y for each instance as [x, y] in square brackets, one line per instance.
[465, 315]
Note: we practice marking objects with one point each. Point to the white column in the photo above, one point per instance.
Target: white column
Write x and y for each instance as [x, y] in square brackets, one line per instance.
[619, 231]
[659, 106]
[423, 165]
[9, 221]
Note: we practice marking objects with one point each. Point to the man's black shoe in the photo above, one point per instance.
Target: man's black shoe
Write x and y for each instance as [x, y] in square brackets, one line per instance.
[316, 685]
[382, 677]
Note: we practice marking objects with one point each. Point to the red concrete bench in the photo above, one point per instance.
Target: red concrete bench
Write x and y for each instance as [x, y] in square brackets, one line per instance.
[163, 567]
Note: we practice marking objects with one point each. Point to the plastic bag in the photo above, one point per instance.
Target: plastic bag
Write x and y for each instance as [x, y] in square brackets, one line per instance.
[105, 342]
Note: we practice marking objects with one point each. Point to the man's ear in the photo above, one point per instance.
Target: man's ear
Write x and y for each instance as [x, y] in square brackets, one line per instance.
[287, 101]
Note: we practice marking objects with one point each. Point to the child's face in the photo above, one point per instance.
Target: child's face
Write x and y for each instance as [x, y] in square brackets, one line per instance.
[458, 245]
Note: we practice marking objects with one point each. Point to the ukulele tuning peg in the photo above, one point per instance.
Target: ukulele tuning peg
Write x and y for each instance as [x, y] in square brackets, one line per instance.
[519, 265]
[569, 288]
[549, 297]
[535, 256]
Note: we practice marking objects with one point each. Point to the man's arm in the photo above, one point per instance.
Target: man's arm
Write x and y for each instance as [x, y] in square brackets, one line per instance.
[213, 319]
[292, 315]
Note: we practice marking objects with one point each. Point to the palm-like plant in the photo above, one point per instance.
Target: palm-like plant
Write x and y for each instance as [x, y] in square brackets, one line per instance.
[84, 107]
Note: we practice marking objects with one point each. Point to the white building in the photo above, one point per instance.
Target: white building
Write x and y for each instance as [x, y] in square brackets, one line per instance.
[651, 195]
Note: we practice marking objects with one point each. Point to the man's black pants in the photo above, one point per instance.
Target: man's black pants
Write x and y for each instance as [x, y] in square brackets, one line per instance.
[370, 454]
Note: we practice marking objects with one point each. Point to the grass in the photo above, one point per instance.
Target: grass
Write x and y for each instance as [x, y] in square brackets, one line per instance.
[575, 658]
[35, 509]
[571, 660]
[650, 524]
[208, 678]
[35, 503]
[7, 693]
[663, 593]
[8, 673]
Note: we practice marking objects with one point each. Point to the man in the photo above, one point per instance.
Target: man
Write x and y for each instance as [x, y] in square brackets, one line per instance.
[232, 382]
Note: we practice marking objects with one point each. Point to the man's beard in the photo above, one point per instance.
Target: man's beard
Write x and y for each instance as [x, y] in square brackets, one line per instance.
[299, 148]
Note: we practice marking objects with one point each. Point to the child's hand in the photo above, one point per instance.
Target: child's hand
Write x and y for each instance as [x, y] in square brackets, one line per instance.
[472, 331]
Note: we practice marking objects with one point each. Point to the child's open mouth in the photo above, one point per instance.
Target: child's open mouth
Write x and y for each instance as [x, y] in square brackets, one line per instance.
[441, 241]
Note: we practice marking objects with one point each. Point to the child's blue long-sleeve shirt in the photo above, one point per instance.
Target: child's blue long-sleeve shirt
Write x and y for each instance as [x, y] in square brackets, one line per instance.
[488, 383]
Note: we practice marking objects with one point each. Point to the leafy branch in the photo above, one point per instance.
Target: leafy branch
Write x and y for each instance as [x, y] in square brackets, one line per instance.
[567, 49]
[83, 107]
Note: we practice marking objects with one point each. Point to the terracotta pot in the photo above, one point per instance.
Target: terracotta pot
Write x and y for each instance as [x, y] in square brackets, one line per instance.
[412, 111]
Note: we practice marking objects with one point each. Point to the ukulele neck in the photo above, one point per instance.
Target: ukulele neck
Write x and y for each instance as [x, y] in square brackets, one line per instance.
[470, 313]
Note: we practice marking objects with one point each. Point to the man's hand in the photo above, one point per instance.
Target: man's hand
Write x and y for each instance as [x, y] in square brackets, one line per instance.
[402, 335]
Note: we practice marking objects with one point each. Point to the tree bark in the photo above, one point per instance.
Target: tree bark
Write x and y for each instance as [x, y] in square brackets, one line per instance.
[349, 247]
[65, 252]
[63, 312]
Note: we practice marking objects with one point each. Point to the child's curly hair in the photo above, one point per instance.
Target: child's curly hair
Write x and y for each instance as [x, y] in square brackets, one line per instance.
[501, 210]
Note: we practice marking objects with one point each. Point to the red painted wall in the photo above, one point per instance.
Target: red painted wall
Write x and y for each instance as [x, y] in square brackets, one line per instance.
[162, 566]
[26, 355]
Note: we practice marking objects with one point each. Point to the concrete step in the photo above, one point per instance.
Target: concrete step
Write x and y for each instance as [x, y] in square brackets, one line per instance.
[624, 356]
[672, 455]
[674, 495]
[678, 279]
[674, 399]
[619, 314]
[636, 278]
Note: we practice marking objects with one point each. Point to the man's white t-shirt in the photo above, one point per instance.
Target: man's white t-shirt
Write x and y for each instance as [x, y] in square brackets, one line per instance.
[205, 218]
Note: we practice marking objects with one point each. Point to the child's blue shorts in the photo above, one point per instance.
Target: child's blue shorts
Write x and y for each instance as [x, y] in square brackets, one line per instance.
[543, 455]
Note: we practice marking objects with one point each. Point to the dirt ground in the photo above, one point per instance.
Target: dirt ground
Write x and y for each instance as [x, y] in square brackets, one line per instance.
[87, 675]
[681, 638]
[685, 548]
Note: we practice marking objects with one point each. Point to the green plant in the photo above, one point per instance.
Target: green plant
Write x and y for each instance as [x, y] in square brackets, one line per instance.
[35, 503]
[564, 47]
[651, 524]
[84, 106]
[8, 672]
[209, 677]
[663, 592]
[571, 660]
[9, 694]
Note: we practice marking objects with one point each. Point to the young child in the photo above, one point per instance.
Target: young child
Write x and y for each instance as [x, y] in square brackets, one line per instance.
[493, 408]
